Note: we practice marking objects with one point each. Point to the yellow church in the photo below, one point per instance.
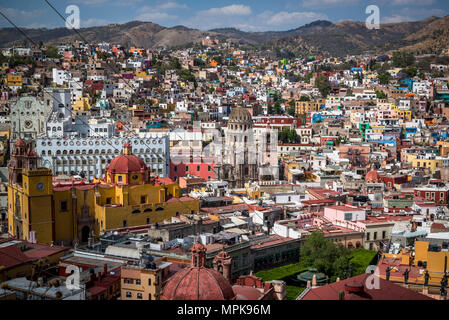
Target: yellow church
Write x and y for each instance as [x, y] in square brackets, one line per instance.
[71, 211]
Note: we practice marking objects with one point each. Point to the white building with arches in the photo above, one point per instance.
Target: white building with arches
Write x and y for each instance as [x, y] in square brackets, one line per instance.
[89, 156]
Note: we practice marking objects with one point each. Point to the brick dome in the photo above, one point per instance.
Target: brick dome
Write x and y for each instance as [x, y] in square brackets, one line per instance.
[372, 176]
[127, 162]
[198, 282]
[20, 143]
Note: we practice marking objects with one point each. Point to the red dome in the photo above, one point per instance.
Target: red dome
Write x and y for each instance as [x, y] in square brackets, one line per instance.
[198, 283]
[20, 143]
[372, 175]
[126, 164]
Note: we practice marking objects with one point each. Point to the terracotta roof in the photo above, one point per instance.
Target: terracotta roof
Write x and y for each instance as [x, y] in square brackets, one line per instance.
[197, 283]
[126, 164]
[11, 256]
[387, 291]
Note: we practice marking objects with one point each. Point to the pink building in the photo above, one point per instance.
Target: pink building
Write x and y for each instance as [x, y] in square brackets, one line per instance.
[202, 168]
[344, 213]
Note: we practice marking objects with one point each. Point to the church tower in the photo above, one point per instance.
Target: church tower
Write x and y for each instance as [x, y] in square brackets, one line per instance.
[240, 154]
[223, 264]
[29, 196]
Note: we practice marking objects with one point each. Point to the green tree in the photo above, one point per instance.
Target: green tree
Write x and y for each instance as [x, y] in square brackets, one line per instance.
[323, 85]
[308, 76]
[291, 110]
[52, 52]
[304, 98]
[384, 78]
[288, 136]
[326, 256]
[277, 108]
[403, 59]
[381, 95]
[410, 71]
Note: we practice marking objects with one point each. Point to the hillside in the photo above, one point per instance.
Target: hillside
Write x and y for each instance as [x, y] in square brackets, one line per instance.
[316, 38]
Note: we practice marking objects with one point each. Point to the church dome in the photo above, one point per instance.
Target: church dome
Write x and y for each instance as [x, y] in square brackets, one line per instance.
[240, 115]
[372, 176]
[127, 163]
[20, 143]
[198, 282]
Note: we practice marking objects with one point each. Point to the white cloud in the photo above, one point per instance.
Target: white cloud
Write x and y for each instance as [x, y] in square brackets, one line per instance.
[170, 5]
[408, 14]
[90, 2]
[264, 21]
[412, 2]
[285, 18]
[232, 10]
[23, 18]
[18, 15]
[148, 13]
[327, 3]
[92, 22]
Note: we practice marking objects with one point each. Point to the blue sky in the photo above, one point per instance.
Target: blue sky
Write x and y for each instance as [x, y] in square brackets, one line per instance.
[248, 15]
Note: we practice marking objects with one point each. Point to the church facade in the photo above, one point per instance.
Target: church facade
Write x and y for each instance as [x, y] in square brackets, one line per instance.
[47, 210]
[247, 154]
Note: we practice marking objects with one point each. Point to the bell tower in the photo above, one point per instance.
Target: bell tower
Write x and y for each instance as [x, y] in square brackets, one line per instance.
[16, 163]
[223, 264]
[30, 193]
[198, 252]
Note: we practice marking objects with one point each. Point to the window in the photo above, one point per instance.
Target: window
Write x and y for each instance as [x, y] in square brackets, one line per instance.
[187, 168]
[149, 296]
[149, 281]
[63, 206]
[384, 234]
[138, 282]
[143, 199]
[128, 281]
[128, 294]
[209, 168]
[375, 236]
[175, 168]
[197, 168]
[124, 223]
[139, 296]
[108, 200]
[348, 216]
[119, 178]
[367, 235]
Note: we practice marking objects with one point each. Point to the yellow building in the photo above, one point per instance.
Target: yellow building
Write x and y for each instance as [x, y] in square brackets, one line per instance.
[405, 115]
[435, 263]
[81, 104]
[304, 107]
[14, 80]
[444, 148]
[76, 210]
[431, 164]
[143, 282]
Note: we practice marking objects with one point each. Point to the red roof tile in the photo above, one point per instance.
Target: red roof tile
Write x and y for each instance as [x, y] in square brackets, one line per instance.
[387, 291]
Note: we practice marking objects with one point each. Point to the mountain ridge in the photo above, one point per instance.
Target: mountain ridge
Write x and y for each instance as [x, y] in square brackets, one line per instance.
[318, 37]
